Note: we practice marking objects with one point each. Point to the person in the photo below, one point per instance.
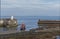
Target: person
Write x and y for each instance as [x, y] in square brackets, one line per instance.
[23, 26]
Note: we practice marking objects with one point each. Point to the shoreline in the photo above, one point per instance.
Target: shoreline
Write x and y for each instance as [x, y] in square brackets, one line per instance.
[28, 34]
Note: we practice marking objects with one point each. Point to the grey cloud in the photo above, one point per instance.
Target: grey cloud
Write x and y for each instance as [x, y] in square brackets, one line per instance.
[28, 12]
[27, 3]
[30, 7]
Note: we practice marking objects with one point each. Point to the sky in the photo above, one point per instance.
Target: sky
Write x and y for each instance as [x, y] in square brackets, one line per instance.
[30, 7]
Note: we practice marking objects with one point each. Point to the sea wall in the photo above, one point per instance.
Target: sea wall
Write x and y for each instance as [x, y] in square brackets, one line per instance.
[50, 23]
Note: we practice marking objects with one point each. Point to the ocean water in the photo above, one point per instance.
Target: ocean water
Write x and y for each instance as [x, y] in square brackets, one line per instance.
[31, 21]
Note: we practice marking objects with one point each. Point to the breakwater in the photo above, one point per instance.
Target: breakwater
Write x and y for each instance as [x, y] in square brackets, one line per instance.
[49, 23]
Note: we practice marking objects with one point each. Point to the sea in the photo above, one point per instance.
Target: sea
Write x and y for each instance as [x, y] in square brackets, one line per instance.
[31, 21]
